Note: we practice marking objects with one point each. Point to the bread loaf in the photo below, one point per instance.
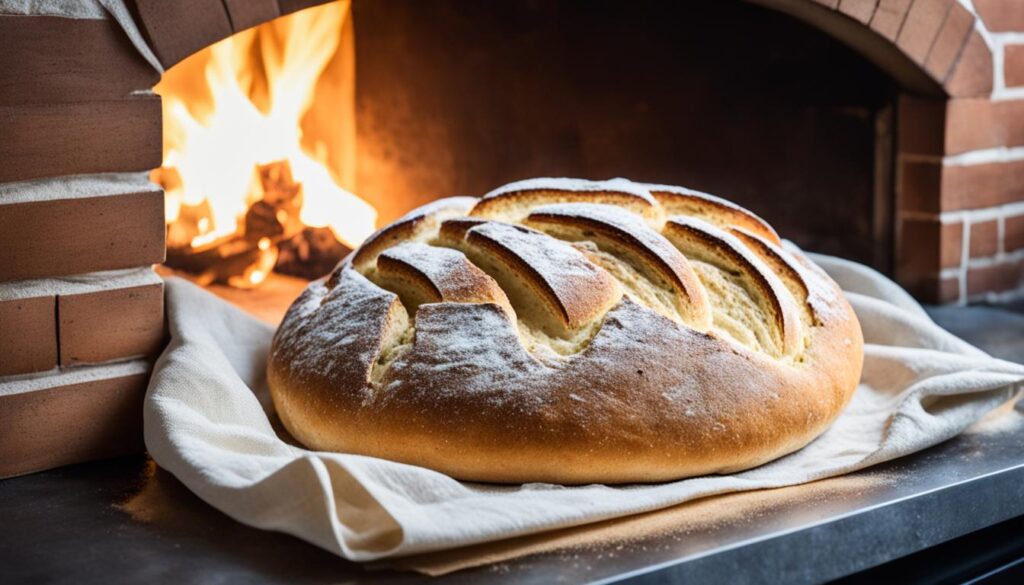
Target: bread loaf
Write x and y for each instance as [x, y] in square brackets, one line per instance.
[569, 331]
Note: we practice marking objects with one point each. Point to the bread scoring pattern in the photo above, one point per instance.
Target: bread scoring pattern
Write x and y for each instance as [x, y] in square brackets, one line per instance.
[556, 255]
[657, 331]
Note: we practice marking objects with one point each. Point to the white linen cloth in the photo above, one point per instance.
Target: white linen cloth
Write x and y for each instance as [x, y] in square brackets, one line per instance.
[205, 423]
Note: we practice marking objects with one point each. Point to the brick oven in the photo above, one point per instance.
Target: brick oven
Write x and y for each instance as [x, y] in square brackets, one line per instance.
[887, 131]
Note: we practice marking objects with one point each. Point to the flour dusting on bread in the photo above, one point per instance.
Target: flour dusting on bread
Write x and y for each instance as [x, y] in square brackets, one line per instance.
[569, 331]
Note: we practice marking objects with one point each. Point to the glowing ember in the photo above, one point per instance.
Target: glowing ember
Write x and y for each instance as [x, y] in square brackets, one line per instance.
[235, 166]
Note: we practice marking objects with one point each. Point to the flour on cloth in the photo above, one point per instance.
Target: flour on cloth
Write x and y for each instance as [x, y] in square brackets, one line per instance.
[206, 421]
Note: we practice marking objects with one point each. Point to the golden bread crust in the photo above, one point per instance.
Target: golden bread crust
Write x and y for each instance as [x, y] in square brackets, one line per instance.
[552, 332]
[721, 212]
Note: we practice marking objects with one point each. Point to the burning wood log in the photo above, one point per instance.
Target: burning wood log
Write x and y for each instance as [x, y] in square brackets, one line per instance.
[310, 254]
[245, 257]
[232, 260]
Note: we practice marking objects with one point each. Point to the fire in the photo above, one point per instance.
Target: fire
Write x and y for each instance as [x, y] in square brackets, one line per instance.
[234, 131]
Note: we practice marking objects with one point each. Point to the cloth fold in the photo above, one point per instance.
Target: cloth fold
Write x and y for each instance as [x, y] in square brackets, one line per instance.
[208, 420]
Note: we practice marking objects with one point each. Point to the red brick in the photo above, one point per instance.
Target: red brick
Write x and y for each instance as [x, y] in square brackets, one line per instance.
[28, 335]
[889, 16]
[978, 123]
[927, 246]
[71, 417]
[88, 318]
[245, 14]
[920, 186]
[111, 324]
[972, 73]
[1013, 233]
[951, 244]
[984, 185]
[1013, 65]
[949, 42]
[180, 28]
[948, 290]
[861, 10]
[920, 125]
[1001, 15]
[998, 277]
[924, 19]
[984, 238]
[47, 140]
[83, 234]
[47, 59]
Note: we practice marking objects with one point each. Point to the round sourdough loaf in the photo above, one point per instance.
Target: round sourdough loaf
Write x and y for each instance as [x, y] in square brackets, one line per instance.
[569, 331]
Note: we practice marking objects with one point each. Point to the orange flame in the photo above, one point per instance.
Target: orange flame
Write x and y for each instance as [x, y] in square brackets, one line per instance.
[215, 141]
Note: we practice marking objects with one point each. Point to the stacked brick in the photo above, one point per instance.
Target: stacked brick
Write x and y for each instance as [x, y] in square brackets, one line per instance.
[81, 310]
[959, 172]
[208, 21]
[959, 176]
[960, 167]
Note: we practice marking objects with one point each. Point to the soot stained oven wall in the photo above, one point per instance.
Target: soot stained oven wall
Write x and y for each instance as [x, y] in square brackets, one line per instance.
[457, 97]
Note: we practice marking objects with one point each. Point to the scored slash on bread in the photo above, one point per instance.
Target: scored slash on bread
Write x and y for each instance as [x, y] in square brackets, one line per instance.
[546, 279]
[427, 274]
[412, 226]
[714, 210]
[569, 331]
[514, 201]
[701, 241]
[790, 273]
[453, 231]
[627, 223]
[628, 237]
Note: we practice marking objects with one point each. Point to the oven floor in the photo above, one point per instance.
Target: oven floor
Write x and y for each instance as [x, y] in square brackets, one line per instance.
[124, 520]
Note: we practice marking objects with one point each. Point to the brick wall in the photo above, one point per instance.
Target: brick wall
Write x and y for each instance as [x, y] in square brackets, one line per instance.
[175, 30]
[986, 162]
[960, 169]
[81, 309]
[959, 165]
